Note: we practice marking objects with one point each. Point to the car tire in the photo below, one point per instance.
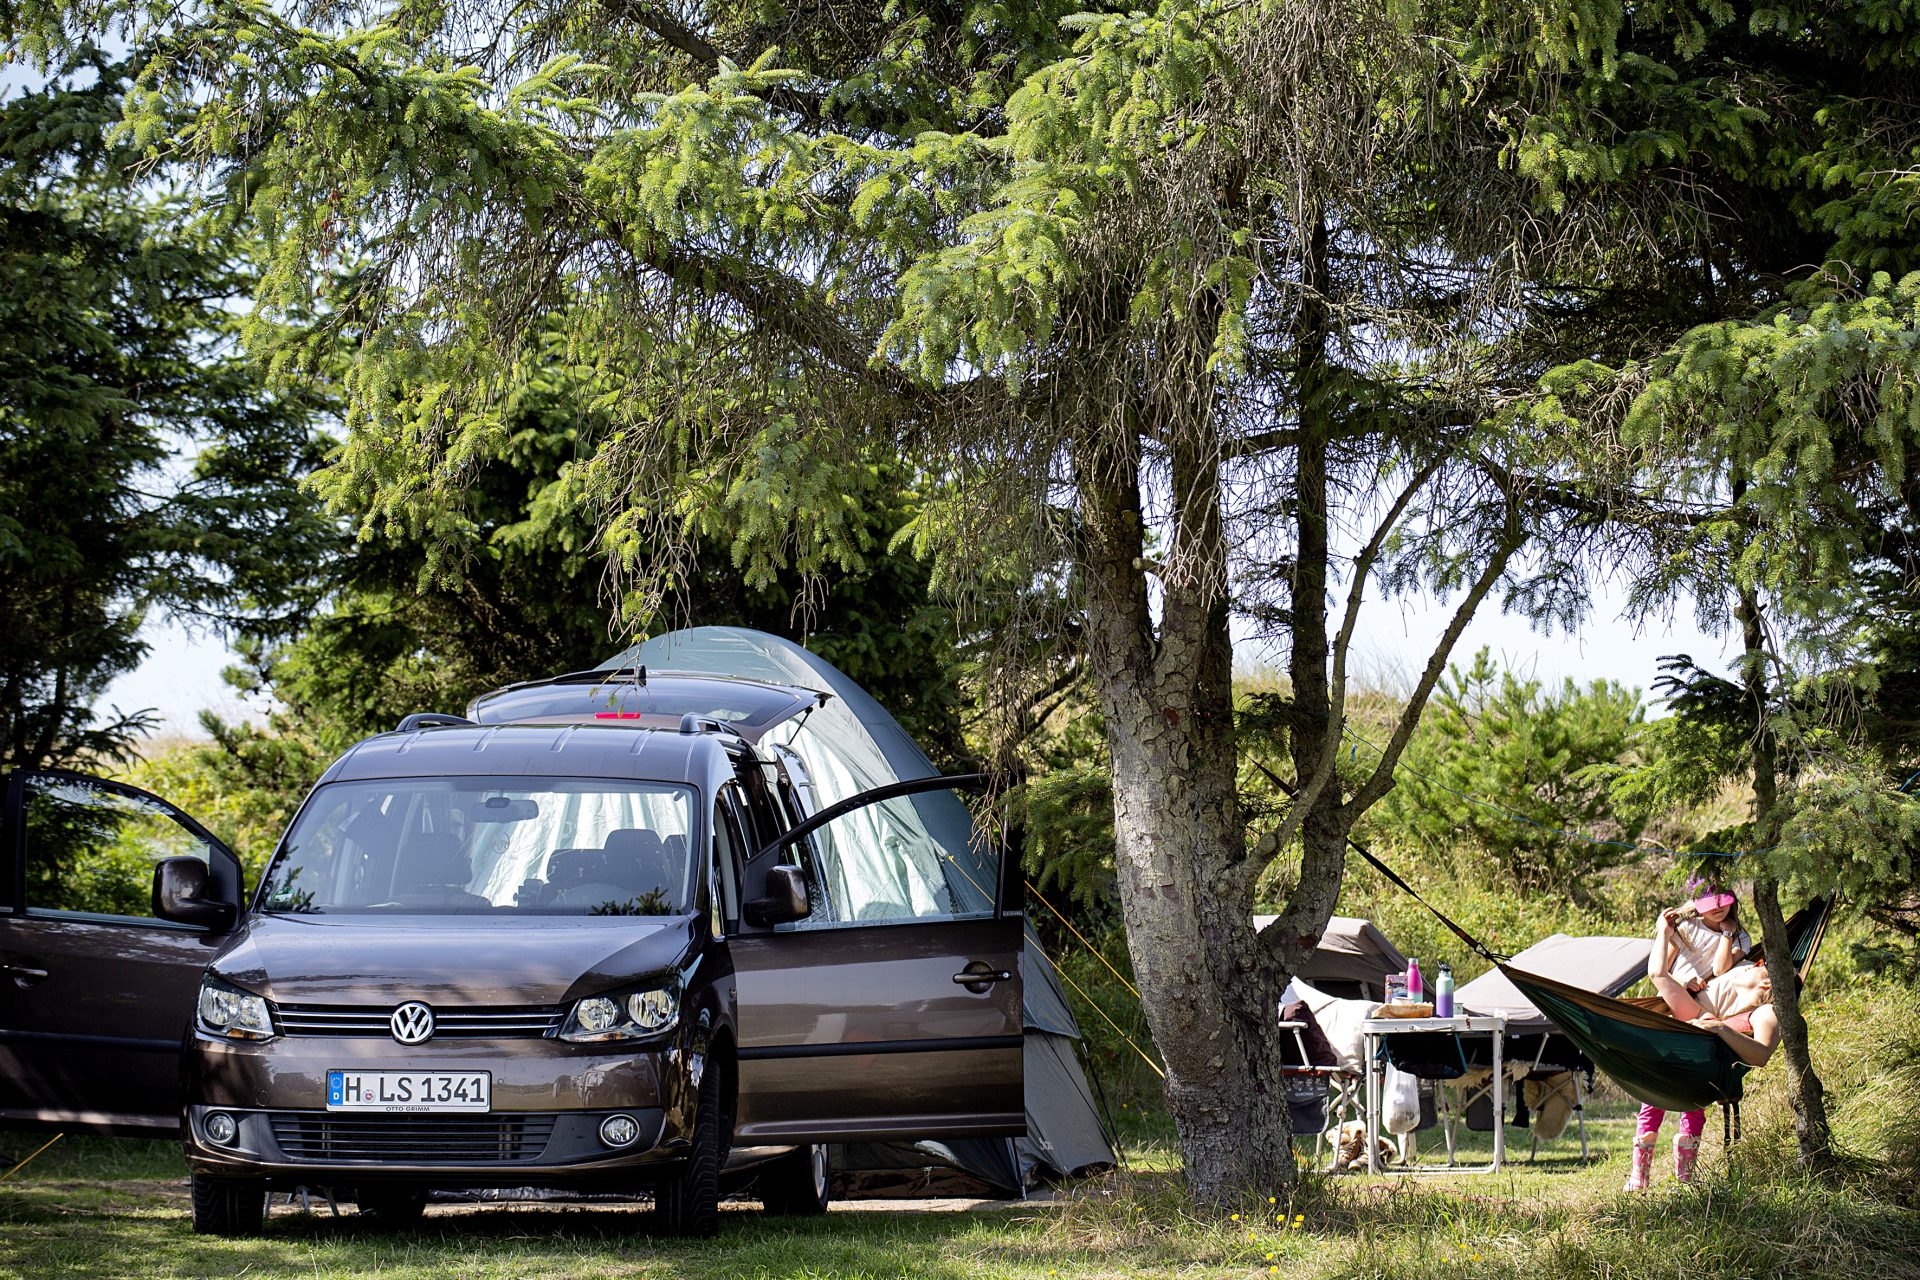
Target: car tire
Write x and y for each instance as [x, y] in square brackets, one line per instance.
[391, 1208]
[796, 1183]
[228, 1206]
[688, 1204]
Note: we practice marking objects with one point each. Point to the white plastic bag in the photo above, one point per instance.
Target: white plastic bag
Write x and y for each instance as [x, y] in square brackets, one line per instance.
[1400, 1101]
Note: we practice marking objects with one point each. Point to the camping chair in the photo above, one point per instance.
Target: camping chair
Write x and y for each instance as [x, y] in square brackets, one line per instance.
[1558, 1072]
[1306, 1086]
[1317, 1087]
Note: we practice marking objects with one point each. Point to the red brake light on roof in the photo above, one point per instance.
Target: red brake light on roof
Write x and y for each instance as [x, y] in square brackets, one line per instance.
[617, 715]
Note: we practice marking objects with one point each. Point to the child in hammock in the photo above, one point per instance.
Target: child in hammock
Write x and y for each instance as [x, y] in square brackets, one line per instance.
[1692, 946]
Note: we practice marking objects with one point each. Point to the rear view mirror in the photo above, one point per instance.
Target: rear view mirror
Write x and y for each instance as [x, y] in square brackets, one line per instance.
[786, 899]
[504, 809]
[181, 890]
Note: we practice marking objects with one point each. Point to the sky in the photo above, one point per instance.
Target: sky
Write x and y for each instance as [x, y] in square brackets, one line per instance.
[179, 679]
[181, 675]
[1395, 638]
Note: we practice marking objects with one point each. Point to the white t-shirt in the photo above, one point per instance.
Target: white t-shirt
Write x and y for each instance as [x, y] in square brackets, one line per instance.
[1725, 993]
[1695, 944]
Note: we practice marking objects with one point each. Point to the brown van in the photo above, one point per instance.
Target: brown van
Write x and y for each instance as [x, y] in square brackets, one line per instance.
[612, 941]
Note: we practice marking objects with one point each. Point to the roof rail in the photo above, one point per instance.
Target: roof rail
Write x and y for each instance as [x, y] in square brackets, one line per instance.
[598, 675]
[430, 720]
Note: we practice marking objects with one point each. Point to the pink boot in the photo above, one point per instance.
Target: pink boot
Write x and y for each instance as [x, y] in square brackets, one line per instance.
[1685, 1152]
[1641, 1171]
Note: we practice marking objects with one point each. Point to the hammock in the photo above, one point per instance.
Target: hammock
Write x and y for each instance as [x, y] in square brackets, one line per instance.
[1647, 1051]
[1643, 1048]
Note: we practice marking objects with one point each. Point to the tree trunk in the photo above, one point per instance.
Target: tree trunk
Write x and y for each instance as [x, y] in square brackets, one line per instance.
[1211, 1002]
[1804, 1090]
[1313, 730]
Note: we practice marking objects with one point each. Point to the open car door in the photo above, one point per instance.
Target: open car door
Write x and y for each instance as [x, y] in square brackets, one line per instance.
[892, 1008]
[96, 993]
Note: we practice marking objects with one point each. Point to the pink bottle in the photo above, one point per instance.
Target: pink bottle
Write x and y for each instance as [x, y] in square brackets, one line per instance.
[1416, 989]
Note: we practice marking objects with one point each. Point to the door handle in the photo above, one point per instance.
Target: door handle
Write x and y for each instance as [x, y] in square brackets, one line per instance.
[22, 974]
[977, 978]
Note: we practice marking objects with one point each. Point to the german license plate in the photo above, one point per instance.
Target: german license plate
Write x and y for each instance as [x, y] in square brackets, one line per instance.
[409, 1090]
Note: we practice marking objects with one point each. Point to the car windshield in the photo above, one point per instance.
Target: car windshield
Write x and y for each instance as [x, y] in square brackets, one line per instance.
[438, 846]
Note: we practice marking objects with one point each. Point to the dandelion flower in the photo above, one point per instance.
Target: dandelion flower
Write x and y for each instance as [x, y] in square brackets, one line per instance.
[1236, 1217]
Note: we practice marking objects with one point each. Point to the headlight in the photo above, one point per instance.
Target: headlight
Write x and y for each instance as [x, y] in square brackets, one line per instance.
[624, 1016]
[226, 1010]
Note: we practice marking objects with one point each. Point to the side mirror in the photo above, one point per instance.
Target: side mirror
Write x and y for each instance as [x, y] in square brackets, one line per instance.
[786, 899]
[180, 889]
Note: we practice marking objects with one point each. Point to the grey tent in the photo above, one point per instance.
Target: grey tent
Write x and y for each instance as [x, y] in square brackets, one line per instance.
[1350, 960]
[848, 744]
[1604, 966]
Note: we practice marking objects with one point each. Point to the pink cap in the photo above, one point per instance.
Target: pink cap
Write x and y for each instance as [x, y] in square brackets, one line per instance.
[1712, 900]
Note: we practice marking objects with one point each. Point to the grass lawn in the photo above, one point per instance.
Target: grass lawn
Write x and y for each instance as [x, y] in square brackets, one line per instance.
[95, 1208]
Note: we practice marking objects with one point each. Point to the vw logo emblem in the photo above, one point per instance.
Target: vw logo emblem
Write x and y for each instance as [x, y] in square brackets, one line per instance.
[412, 1023]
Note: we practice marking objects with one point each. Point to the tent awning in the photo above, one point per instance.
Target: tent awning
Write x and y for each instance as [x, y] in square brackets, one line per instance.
[848, 743]
[1603, 966]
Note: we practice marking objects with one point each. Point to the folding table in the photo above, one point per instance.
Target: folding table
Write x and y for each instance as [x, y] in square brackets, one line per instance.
[1375, 1030]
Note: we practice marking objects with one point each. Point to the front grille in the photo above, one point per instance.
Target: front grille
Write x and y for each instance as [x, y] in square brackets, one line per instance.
[413, 1139]
[489, 1022]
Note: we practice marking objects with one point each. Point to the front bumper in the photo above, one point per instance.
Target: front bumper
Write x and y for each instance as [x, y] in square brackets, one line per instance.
[551, 1149]
[549, 1098]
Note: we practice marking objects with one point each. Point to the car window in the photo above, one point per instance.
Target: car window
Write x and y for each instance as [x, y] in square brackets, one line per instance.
[721, 869]
[90, 846]
[883, 862]
[550, 846]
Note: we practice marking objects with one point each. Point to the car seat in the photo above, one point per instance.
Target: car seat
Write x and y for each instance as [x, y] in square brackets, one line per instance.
[433, 872]
[636, 860]
[569, 867]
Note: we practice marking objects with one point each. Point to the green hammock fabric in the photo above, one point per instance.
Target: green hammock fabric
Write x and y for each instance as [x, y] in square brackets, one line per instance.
[1649, 1053]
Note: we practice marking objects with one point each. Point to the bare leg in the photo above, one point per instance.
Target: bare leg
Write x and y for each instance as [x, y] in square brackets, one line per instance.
[1680, 1002]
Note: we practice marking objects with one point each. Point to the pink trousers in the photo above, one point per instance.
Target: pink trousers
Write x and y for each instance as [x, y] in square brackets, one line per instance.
[1692, 1123]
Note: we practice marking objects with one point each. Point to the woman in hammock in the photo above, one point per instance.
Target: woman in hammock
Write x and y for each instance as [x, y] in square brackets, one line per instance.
[1693, 945]
[1737, 1006]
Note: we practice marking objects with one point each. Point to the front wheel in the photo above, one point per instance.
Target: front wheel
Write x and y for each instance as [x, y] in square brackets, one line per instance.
[688, 1204]
[228, 1206]
[796, 1183]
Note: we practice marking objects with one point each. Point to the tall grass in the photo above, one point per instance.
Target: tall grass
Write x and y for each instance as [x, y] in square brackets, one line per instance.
[1865, 1042]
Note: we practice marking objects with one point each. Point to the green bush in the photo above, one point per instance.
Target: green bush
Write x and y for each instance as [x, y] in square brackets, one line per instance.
[1499, 771]
[243, 783]
[1621, 904]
